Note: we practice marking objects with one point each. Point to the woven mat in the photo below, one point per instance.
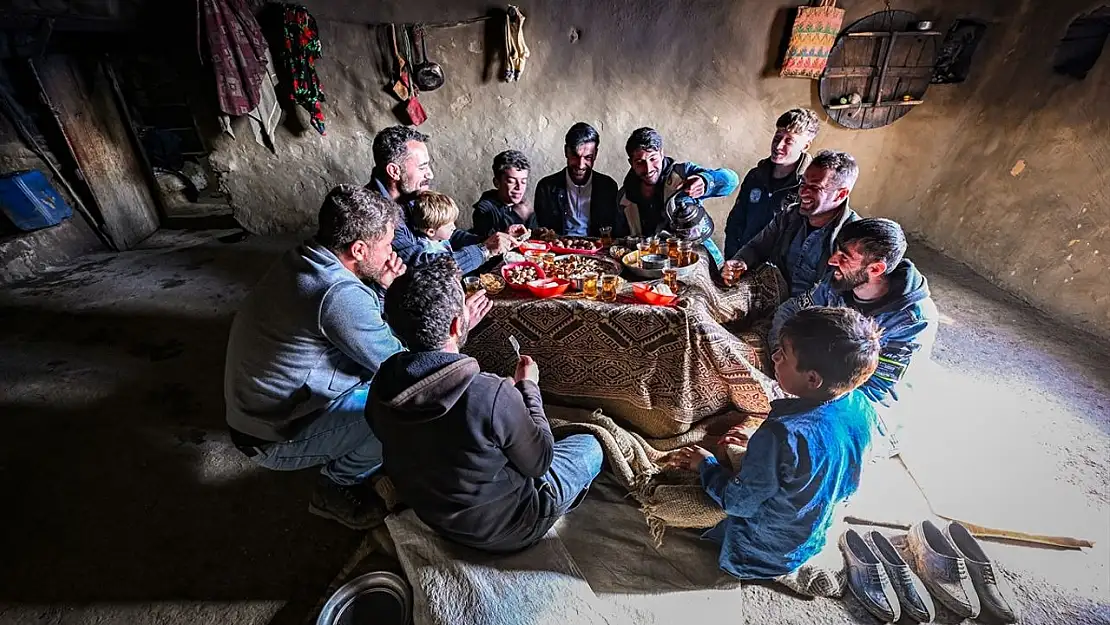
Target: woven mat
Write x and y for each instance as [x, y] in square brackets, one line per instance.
[658, 369]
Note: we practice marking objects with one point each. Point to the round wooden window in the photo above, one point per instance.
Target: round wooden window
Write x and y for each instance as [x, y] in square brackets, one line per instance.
[878, 70]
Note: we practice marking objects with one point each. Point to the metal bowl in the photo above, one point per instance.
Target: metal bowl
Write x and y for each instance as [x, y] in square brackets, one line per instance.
[379, 598]
[632, 264]
[654, 261]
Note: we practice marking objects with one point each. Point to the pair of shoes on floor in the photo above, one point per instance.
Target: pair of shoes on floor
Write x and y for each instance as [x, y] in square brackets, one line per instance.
[882, 581]
[356, 506]
[959, 574]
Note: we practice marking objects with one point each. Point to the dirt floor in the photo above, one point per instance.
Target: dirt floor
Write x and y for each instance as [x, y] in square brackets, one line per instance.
[125, 502]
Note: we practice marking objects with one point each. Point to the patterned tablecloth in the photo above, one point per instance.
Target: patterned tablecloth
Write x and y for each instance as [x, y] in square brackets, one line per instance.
[660, 369]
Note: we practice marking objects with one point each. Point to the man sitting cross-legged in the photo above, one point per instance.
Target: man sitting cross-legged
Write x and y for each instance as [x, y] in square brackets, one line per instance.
[871, 275]
[304, 345]
[471, 452]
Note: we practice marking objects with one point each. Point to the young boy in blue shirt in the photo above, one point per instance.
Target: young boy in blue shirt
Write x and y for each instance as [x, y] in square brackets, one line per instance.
[433, 218]
[807, 455]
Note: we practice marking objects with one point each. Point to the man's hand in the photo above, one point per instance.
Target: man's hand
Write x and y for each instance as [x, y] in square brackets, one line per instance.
[519, 232]
[477, 306]
[527, 369]
[688, 458]
[733, 270]
[694, 186]
[499, 243]
[394, 267]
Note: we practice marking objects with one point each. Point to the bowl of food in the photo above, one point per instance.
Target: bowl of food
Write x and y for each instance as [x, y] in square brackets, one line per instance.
[570, 265]
[631, 262]
[492, 283]
[618, 252]
[575, 245]
[518, 275]
[548, 287]
[656, 294]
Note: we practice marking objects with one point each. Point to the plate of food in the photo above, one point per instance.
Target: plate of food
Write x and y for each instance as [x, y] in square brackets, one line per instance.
[518, 275]
[575, 245]
[570, 265]
[492, 283]
[631, 261]
[548, 287]
[656, 294]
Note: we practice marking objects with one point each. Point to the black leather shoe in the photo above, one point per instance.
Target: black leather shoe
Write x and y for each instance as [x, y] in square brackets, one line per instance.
[868, 579]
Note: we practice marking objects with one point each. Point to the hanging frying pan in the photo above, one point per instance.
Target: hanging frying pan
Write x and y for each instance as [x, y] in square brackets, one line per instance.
[427, 75]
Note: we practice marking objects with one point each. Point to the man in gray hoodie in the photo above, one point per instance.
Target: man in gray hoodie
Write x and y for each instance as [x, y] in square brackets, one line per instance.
[472, 453]
[305, 344]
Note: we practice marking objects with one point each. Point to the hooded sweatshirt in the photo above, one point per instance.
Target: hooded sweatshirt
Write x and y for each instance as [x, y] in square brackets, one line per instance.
[906, 314]
[464, 449]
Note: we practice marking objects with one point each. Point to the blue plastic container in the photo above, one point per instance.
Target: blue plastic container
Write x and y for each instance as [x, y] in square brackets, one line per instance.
[30, 201]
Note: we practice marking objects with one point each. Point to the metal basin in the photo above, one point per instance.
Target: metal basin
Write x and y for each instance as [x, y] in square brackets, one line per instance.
[379, 598]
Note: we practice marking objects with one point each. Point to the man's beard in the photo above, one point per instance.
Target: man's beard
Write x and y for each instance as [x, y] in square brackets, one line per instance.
[410, 186]
[367, 272]
[849, 281]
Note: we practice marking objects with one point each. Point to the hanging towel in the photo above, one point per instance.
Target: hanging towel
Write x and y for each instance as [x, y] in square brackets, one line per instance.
[238, 54]
[302, 48]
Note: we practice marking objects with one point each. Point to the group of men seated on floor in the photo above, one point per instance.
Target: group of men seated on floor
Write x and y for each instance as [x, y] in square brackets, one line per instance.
[347, 352]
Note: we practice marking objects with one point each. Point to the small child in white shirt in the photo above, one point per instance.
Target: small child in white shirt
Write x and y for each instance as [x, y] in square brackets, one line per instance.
[433, 216]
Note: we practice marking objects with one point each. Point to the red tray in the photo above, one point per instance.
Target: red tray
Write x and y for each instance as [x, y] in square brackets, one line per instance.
[567, 250]
[644, 293]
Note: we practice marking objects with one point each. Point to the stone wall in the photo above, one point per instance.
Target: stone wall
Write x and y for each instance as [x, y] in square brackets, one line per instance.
[1006, 172]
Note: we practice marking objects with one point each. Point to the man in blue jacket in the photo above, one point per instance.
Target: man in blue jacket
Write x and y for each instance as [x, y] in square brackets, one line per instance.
[870, 275]
[662, 195]
[402, 167]
[578, 201]
[304, 346]
[772, 185]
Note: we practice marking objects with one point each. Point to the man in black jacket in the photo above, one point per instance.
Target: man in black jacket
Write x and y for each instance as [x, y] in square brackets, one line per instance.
[503, 207]
[577, 201]
[472, 453]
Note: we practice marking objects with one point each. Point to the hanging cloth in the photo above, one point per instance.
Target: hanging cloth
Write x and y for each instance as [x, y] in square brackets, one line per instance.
[237, 51]
[516, 50]
[302, 49]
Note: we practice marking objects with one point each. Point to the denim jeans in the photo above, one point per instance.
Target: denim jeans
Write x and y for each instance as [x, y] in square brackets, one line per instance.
[576, 463]
[340, 439]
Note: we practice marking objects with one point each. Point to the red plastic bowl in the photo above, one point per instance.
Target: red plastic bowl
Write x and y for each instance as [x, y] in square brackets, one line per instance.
[520, 287]
[644, 293]
[548, 287]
